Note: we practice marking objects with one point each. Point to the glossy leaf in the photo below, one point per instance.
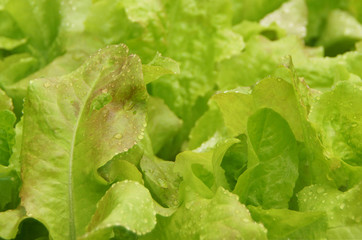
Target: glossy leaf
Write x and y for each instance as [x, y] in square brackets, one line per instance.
[9, 222]
[270, 183]
[287, 224]
[127, 204]
[337, 116]
[79, 138]
[221, 216]
[7, 135]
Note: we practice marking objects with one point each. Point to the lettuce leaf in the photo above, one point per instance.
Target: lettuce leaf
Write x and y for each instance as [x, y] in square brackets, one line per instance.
[234, 119]
[89, 102]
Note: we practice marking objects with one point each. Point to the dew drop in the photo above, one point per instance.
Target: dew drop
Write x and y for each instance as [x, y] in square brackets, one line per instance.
[162, 183]
[188, 205]
[342, 206]
[320, 190]
[118, 136]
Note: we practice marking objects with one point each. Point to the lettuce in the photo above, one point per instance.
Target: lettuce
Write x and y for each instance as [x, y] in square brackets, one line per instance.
[186, 119]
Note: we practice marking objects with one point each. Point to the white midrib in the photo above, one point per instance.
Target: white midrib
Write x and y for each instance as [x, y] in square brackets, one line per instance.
[72, 230]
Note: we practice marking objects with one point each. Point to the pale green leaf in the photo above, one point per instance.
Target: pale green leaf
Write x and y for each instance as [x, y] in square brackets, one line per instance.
[220, 217]
[127, 204]
[270, 183]
[158, 67]
[60, 182]
[9, 222]
[5, 101]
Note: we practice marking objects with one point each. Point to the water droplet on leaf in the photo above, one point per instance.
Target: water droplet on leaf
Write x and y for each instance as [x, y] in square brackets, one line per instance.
[118, 136]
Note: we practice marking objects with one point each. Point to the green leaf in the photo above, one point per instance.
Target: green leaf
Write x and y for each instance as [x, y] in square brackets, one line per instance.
[337, 117]
[288, 224]
[235, 107]
[12, 69]
[14, 161]
[269, 184]
[221, 216]
[217, 159]
[9, 43]
[161, 180]
[73, 15]
[275, 93]
[158, 67]
[32, 229]
[278, 94]
[343, 209]
[291, 16]
[121, 233]
[193, 33]
[341, 233]
[355, 7]
[235, 161]
[79, 139]
[227, 44]
[201, 172]
[249, 29]
[7, 135]
[10, 35]
[119, 170]
[341, 32]
[79, 48]
[9, 28]
[5, 101]
[317, 14]
[127, 204]
[40, 23]
[9, 185]
[196, 172]
[108, 20]
[162, 124]
[208, 130]
[314, 166]
[254, 10]
[260, 58]
[9, 222]
[15, 67]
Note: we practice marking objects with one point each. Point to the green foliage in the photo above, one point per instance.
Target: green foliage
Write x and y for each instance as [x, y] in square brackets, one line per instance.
[180, 119]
